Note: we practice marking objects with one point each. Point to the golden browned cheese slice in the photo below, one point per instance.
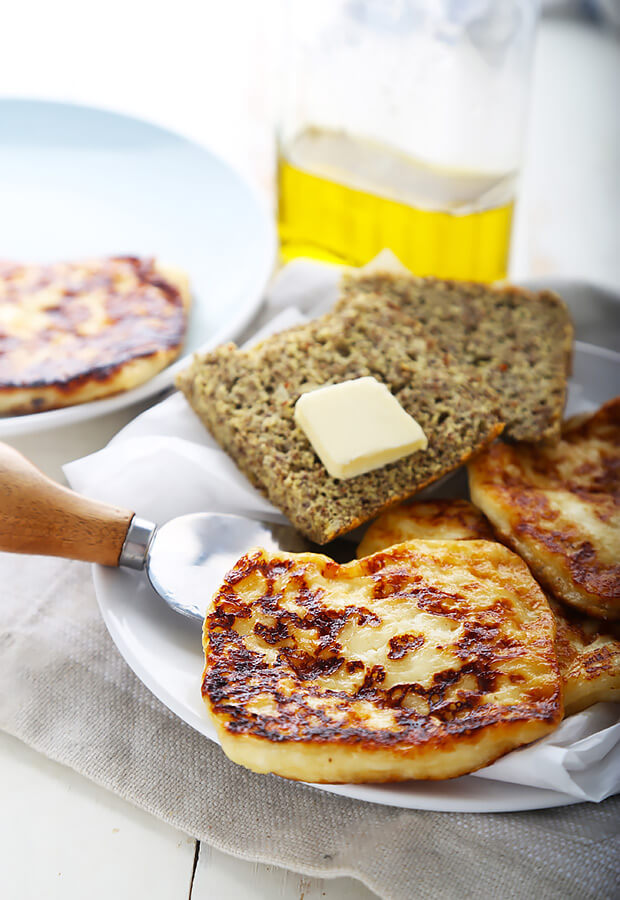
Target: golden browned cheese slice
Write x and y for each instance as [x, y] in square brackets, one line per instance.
[74, 332]
[428, 660]
[559, 508]
[450, 520]
[588, 653]
[588, 650]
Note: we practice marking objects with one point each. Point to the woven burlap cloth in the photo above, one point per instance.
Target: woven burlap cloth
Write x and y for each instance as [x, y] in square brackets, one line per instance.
[67, 692]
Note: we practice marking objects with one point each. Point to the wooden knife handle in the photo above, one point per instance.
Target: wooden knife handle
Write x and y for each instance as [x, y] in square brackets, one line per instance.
[39, 516]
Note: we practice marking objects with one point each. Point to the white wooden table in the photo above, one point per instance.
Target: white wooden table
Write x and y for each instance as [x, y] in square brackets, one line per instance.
[206, 70]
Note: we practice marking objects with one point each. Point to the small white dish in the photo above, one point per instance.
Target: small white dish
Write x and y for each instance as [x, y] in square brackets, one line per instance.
[80, 182]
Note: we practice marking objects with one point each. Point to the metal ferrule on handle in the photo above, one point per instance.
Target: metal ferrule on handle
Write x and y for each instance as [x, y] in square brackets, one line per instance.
[137, 543]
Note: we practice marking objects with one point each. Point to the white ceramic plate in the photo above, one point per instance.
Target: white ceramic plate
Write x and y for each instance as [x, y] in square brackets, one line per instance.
[78, 182]
[164, 650]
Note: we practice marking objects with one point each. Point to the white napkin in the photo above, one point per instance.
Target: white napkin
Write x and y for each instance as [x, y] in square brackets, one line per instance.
[165, 464]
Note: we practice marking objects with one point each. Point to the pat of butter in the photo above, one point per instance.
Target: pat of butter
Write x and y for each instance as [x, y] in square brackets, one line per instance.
[357, 426]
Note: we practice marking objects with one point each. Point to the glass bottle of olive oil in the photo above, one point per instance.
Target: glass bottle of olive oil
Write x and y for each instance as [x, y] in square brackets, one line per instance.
[401, 127]
[344, 200]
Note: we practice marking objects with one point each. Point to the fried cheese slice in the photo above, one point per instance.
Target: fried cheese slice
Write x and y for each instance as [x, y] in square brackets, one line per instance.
[428, 660]
[588, 650]
[75, 332]
[449, 520]
[588, 653]
[559, 508]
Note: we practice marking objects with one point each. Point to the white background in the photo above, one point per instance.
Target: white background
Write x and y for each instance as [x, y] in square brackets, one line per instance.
[210, 70]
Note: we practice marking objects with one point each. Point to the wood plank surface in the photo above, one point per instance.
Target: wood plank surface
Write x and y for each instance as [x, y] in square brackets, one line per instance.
[226, 878]
[65, 838]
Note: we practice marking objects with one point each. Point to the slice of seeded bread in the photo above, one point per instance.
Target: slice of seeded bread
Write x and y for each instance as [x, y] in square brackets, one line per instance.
[519, 341]
[246, 399]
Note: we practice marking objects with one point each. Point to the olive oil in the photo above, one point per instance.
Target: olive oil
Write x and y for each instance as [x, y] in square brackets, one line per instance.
[343, 200]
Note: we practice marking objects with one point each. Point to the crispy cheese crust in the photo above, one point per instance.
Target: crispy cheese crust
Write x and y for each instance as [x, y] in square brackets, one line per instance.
[588, 653]
[428, 660]
[450, 520]
[588, 650]
[74, 332]
[559, 508]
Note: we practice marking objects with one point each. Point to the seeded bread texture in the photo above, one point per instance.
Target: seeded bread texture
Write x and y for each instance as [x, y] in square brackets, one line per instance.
[246, 399]
[519, 341]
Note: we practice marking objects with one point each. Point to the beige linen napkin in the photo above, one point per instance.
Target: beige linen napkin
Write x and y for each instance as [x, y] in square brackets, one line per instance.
[67, 692]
